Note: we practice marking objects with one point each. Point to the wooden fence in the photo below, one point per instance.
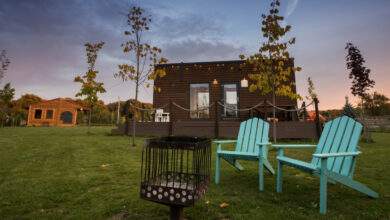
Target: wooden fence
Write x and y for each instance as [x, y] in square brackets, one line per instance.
[380, 123]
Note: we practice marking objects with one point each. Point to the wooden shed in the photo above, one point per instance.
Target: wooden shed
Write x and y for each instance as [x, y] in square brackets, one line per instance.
[201, 85]
[55, 112]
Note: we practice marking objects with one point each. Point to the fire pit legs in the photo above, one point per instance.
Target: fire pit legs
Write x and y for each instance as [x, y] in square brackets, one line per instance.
[176, 212]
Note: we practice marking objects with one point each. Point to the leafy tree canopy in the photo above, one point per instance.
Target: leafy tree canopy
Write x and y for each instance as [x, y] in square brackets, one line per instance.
[271, 66]
[7, 95]
[144, 57]
[89, 86]
[359, 74]
[311, 90]
[376, 104]
[26, 100]
[4, 63]
[348, 109]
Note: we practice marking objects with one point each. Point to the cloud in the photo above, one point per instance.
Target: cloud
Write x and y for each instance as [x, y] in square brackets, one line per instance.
[291, 6]
[193, 50]
[184, 26]
[45, 41]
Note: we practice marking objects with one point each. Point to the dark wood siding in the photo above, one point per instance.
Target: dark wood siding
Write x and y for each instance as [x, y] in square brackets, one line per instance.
[227, 129]
[175, 86]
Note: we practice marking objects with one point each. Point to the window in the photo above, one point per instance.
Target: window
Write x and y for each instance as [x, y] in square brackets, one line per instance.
[199, 100]
[230, 100]
[49, 114]
[38, 114]
[66, 117]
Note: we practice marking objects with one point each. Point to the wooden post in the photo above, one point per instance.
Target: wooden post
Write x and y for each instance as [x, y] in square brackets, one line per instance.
[286, 114]
[304, 111]
[170, 118]
[134, 126]
[216, 117]
[127, 118]
[118, 111]
[317, 117]
[251, 113]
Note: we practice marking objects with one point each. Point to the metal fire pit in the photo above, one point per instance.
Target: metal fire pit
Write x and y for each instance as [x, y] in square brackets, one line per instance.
[175, 171]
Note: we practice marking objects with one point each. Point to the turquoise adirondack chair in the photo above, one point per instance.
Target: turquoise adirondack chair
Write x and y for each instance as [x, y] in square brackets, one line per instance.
[334, 159]
[251, 144]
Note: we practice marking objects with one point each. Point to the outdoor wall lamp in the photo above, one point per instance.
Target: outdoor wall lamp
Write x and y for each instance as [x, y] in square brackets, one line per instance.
[215, 82]
[244, 83]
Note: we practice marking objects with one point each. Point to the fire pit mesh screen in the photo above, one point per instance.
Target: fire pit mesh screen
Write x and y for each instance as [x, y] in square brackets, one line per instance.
[175, 170]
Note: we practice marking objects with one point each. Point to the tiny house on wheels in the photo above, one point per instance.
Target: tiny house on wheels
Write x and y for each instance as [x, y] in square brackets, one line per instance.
[55, 112]
[195, 89]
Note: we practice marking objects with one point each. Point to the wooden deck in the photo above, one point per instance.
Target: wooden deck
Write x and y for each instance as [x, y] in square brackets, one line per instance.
[225, 129]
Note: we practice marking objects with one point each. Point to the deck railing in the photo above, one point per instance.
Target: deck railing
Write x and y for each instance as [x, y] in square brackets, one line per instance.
[220, 128]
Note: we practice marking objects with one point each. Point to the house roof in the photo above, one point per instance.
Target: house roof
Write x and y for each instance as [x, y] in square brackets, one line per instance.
[205, 63]
[66, 102]
[201, 63]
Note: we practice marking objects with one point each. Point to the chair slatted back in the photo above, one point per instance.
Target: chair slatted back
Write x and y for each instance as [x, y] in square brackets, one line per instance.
[252, 131]
[339, 135]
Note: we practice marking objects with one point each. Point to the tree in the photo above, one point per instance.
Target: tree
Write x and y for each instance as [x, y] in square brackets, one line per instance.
[101, 114]
[6, 96]
[20, 106]
[27, 99]
[348, 109]
[89, 86]
[376, 104]
[271, 66]
[360, 76]
[4, 63]
[141, 70]
[311, 90]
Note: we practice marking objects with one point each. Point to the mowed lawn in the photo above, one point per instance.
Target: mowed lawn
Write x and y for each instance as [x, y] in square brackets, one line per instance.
[56, 173]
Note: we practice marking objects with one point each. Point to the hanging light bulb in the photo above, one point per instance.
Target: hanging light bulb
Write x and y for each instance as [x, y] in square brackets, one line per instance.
[244, 83]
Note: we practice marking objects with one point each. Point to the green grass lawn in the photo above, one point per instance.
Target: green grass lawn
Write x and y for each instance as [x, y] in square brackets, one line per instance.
[65, 173]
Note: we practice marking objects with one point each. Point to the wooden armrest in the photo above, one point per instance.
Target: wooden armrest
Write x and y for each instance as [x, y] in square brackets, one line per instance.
[341, 154]
[264, 143]
[224, 141]
[293, 145]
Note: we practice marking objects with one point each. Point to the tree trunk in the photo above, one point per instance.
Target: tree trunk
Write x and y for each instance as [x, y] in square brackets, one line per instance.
[89, 120]
[317, 118]
[274, 114]
[366, 133]
[134, 111]
[118, 112]
[136, 89]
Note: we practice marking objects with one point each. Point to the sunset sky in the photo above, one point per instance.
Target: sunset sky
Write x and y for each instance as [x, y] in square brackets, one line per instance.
[44, 40]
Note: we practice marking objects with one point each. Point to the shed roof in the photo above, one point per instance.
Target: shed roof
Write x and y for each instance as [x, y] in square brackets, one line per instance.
[66, 102]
